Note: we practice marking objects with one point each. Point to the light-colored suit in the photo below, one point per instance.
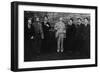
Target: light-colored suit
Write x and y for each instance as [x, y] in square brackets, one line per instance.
[60, 29]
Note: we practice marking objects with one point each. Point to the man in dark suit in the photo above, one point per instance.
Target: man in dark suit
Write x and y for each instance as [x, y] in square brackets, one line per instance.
[28, 36]
[70, 34]
[38, 35]
[70, 29]
[79, 36]
[86, 29]
[46, 30]
[86, 37]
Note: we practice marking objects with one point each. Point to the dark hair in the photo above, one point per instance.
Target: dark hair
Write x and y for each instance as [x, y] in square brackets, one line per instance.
[46, 16]
[79, 19]
[37, 17]
[29, 18]
[71, 19]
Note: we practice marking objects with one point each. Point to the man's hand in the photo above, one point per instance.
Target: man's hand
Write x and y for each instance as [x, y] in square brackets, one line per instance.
[32, 37]
[42, 37]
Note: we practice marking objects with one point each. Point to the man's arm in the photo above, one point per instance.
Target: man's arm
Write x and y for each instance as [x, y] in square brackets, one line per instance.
[41, 31]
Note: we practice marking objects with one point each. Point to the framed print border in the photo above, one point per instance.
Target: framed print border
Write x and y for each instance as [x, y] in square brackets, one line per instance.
[14, 35]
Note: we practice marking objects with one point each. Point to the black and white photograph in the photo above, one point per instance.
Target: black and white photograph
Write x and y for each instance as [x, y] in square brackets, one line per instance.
[52, 36]
[56, 36]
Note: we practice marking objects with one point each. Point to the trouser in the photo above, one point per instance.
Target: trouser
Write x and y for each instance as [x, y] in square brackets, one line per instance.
[27, 48]
[37, 43]
[86, 47]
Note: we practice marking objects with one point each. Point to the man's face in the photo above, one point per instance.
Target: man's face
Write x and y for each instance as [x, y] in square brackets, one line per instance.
[37, 19]
[70, 22]
[60, 19]
[29, 21]
[79, 21]
[45, 19]
[85, 21]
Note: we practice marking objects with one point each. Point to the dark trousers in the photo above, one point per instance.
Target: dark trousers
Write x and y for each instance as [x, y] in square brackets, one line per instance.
[27, 48]
[37, 43]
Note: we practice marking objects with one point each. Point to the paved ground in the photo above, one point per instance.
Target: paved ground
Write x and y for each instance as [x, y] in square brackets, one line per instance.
[57, 56]
[71, 52]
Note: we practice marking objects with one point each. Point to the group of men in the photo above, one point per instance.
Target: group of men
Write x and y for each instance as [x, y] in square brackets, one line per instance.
[70, 36]
[78, 36]
[36, 33]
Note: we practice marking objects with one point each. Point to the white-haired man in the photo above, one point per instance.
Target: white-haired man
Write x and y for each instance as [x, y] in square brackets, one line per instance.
[60, 34]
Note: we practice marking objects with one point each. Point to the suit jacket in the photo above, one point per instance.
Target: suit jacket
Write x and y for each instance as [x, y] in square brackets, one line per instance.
[38, 31]
[46, 27]
[86, 33]
[28, 32]
[70, 31]
[79, 32]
